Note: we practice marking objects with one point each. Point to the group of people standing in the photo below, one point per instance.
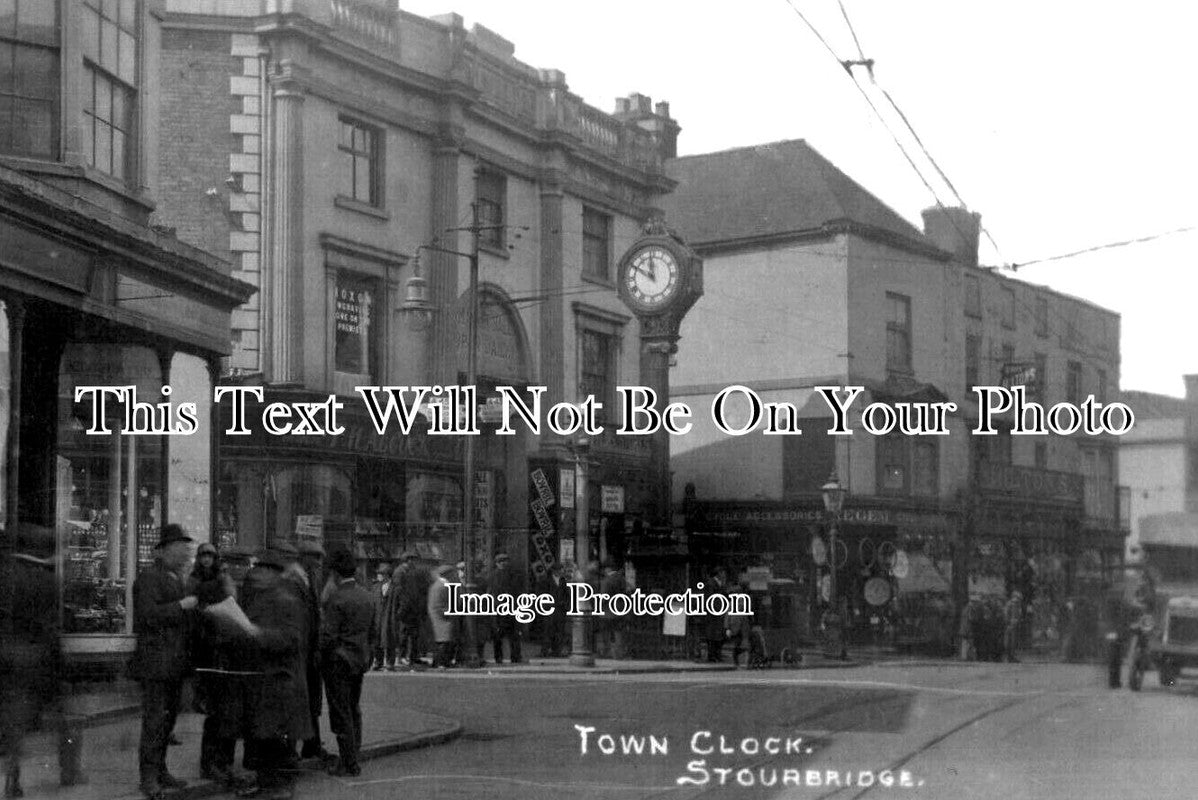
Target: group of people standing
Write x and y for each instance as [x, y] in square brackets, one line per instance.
[414, 629]
[989, 628]
[264, 638]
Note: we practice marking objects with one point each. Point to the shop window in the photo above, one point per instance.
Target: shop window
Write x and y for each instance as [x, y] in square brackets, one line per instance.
[433, 515]
[29, 59]
[898, 333]
[596, 244]
[360, 162]
[356, 342]
[492, 208]
[305, 495]
[108, 489]
[109, 38]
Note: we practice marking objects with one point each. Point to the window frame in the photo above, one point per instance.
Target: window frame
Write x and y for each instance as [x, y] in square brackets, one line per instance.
[10, 126]
[118, 82]
[1074, 380]
[592, 320]
[490, 198]
[1041, 316]
[973, 360]
[374, 155]
[373, 337]
[898, 451]
[973, 296]
[1008, 307]
[591, 269]
[896, 329]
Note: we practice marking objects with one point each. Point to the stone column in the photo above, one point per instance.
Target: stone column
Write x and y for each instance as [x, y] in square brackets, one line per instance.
[551, 333]
[655, 373]
[287, 262]
[442, 273]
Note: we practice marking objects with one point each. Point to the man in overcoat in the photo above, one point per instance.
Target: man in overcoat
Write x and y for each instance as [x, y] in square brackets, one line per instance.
[443, 626]
[163, 616]
[311, 560]
[505, 581]
[347, 634]
[281, 714]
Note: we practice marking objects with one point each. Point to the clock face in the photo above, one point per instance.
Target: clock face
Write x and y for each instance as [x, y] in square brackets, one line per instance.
[652, 276]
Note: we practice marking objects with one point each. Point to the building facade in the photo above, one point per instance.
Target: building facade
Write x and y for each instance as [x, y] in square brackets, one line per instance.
[92, 295]
[812, 282]
[1158, 461]
[350, 159]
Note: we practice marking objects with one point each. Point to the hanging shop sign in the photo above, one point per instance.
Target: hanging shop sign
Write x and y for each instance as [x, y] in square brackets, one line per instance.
[565, 482]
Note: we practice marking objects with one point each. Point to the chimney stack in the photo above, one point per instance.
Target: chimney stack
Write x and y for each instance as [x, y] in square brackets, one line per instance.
[955, 230]
[640, 110]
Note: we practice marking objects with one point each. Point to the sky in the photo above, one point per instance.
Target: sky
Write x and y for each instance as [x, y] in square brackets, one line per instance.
[1066, 125]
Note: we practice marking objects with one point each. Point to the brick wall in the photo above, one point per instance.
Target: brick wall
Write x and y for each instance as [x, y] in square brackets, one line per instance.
[210, 164]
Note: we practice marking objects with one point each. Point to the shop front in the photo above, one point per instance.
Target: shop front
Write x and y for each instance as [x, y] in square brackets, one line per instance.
[88, 299]
[893, 562]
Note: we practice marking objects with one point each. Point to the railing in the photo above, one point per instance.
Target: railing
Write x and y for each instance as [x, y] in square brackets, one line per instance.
[366, 21]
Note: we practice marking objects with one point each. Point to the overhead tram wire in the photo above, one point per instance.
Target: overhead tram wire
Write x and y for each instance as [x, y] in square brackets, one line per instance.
[1124, 243]
[868, 63]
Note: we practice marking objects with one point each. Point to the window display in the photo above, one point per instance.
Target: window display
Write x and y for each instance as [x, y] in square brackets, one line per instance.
[108, 490]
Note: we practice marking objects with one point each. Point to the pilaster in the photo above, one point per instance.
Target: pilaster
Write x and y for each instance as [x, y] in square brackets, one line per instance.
[287, 262]
[550, 320]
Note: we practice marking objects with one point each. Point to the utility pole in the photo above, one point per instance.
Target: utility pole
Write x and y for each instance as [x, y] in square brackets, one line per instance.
[469, 653]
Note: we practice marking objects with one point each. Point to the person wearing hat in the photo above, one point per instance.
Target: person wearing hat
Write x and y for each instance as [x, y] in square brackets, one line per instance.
[381, 589]
[1012, 615]
[347, 634]
[280, 714]
[311, 560]
[237, 561]
[410, 585]
[163, 615]
[443, 625]
[505, 581]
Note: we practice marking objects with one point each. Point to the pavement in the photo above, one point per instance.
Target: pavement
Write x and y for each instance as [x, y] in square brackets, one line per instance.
[107, 715]
[111, 734]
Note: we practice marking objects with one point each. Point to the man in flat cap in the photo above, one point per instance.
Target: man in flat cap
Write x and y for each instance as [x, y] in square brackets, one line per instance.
[505, 581]
[163, 612]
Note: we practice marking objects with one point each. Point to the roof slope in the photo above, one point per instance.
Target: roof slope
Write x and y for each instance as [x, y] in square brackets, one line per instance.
[769, 190]
[1149, 405]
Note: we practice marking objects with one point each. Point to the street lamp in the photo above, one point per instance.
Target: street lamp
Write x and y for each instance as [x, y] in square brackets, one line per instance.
[580, 639]
[833, 494]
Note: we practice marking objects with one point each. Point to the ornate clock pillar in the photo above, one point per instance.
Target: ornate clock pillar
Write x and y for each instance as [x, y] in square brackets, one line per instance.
[660, 279]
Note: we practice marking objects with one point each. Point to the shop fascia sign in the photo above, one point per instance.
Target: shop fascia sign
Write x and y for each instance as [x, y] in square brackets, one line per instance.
[849, 516]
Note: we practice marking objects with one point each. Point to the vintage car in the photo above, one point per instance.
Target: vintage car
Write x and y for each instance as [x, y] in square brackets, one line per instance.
[1177, 646]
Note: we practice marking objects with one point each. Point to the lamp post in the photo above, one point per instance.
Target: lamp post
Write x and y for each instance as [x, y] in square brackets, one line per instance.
[580, 639]
[833, 494]
[417, 303]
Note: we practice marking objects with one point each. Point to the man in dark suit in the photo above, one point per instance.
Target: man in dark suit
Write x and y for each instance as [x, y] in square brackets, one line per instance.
[162, 620]
[281, 716]
[311, 559]
[347, 632]
[505, 581]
